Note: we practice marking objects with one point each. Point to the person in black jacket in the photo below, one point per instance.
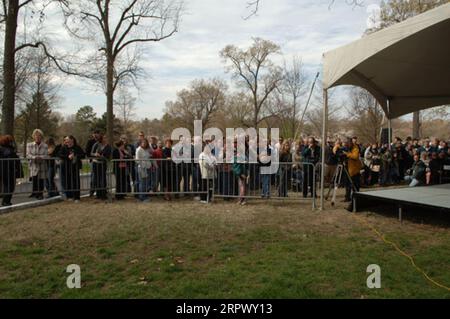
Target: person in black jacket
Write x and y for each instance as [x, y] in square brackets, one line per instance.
[101, 153]
[311, 156]
[121, 167]
[168, 170]
[131, 150]
[93, 139]
[435, 166]
[51, 165]
[10, 168]
[71, 155]
[285, 169]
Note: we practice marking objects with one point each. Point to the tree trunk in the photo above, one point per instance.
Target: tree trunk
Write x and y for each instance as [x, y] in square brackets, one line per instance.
[294, 119]
[110, 100]
[416, 125]
[9, 68]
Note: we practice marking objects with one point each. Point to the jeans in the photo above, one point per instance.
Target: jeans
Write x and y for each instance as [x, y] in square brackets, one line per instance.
[144, 186]
[50, 182]
[265, 180]
[413, 182]
[154, 180]
[136, 185]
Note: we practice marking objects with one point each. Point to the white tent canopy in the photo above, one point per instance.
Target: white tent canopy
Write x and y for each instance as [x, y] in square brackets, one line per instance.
[406, 67]
[407, 64]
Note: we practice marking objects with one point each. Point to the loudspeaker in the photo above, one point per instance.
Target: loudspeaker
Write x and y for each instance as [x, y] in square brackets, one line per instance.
[385, 136]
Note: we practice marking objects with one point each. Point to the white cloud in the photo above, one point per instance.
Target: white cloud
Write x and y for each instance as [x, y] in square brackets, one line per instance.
[304, 28]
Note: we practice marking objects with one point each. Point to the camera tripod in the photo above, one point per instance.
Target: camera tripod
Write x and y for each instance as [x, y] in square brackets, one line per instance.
[336, 181]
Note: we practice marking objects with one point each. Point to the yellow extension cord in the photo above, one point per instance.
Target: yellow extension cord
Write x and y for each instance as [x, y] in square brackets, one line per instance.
[382, 237]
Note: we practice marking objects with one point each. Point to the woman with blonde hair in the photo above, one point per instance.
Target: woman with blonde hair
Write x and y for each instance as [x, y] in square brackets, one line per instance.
[37, 153]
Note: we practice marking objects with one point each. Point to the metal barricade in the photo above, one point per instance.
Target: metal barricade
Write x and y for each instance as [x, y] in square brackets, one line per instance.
[155, 177]
[50, 177]
[119, 178]
[292, 181]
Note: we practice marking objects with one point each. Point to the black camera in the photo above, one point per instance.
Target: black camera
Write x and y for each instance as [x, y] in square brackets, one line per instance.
[341, 156]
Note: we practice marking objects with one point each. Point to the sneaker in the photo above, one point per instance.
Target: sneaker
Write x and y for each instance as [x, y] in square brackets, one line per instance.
[243, 203]
[76, 201]
[204, 202]
[197, 198]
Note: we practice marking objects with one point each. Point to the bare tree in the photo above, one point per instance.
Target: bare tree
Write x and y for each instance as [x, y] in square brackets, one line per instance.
[366, 114]
[314, 114]
[254, 5]
[37, 100]
[237, 111]
[125, 105]
[201, 102]
[292, 89]
[23, 65]
[253, 69]
[11, 12]
[115, 30]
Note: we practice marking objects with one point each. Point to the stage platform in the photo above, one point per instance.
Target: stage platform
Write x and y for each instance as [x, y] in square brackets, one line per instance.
[431, 197]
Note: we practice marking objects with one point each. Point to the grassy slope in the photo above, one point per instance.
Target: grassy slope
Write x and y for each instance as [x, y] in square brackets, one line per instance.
[186, 250]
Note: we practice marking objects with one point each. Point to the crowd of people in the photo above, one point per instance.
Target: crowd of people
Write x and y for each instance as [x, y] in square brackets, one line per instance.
[146, 167]
[416, 162]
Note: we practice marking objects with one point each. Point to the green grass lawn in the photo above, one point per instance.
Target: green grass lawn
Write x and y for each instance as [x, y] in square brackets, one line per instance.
[188, 250]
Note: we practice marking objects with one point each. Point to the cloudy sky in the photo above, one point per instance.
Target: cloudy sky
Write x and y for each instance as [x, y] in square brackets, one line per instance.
[303, 28]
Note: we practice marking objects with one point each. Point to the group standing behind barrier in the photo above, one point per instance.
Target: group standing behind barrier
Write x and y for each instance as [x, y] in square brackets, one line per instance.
[141, 170]
[147, 169]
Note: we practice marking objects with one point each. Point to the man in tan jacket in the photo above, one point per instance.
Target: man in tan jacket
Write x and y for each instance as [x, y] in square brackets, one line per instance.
[354, 167]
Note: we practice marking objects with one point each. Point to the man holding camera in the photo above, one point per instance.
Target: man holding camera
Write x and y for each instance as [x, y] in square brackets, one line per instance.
[353, 166]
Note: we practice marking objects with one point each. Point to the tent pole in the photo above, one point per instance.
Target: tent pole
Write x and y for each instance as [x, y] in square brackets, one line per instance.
[390, 131]
[324, 145]
[389, 122]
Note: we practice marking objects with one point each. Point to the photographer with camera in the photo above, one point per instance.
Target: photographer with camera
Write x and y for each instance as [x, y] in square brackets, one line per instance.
[353, 165]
